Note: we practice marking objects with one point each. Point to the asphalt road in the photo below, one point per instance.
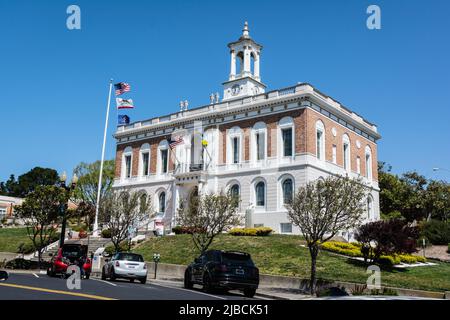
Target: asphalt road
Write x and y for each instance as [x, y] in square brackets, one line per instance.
[41, 287]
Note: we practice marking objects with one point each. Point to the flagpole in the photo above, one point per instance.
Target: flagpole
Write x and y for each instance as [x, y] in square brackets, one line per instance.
[95, 232]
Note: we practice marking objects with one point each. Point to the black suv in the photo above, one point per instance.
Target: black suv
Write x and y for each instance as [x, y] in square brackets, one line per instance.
[230, 270]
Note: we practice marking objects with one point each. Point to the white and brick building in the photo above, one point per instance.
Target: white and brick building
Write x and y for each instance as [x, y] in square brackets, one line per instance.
[261, 144]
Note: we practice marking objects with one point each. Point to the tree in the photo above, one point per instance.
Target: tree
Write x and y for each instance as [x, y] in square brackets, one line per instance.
[437, 200]
[122, 210]
[88, 174]
[40, 211]
[84, 211]
[323, 208]
[208, 215]
[386, 238]
[28, 182]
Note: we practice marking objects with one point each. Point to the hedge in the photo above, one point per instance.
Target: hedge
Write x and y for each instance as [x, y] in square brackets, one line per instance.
[251, 232]
[354, 250]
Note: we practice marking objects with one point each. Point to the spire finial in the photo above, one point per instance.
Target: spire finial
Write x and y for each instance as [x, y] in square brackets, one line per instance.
[245, 30]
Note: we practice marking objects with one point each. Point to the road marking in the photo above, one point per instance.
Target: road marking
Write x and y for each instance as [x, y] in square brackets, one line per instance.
[90, 296]
[191, 291]
[34, 274]
[104, 281]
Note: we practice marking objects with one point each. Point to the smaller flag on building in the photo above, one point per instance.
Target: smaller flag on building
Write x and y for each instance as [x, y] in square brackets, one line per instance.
[123, 119]
[124, 103]
[175, 142]
[121, 88]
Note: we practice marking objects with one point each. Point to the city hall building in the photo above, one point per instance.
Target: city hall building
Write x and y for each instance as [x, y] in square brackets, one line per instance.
[260, 144]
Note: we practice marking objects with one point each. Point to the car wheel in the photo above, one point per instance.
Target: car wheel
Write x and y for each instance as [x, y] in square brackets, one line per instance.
[103, 274]
[187, 280]
[207, 286]
[249, 293]
[143, 280]
[131, 280]
[113, 275]
[50, 272]
[87, 275]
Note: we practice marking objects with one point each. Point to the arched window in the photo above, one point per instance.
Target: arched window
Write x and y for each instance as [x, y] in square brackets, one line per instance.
[163, 157]
[368, 163]
[287, 188]
[234, 191]
[143, 202]
[144, 163]
[127, 163]
[286, 133]
[259, 145]
[369, 207]
[260, 194]
[320, 140]
[346, 152]
[162, 202]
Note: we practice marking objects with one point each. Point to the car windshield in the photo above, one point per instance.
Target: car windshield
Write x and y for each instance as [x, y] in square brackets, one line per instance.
[130, 257]
[70, 251]
[237, 258]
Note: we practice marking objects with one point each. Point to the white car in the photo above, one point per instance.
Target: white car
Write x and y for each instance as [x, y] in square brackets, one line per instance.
[125, 265]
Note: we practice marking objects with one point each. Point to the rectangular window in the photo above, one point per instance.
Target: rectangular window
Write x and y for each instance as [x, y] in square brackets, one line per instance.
[235, 147]
[334, 154]
[286, 227]
[145, 163]
[164, 161]
[127, 166]
[286, 135]
[345, 151]
[260, 143]
[358, 165]
[319, 144]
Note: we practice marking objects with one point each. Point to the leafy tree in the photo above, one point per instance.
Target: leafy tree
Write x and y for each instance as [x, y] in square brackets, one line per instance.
[437, 200]
[391, 189]
[40, 211]
[413, 196]
[437, 232]
[88, 174]
[389, 237]
[121, 210]
[28, 182]
[323, 208]
[208, 215]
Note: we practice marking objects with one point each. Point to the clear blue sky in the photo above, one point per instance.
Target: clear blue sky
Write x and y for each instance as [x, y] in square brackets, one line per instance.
[54, 81]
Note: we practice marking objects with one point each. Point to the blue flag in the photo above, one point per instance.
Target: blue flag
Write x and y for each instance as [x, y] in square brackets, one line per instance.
[123, 119]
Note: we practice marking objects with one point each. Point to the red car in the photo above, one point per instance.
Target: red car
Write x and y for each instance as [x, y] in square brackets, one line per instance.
[70, 254]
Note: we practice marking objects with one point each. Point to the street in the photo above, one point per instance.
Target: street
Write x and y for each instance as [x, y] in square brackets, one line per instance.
[38, 286]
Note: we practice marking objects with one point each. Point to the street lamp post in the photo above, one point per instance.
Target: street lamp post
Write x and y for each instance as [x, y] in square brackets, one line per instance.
[68, 189]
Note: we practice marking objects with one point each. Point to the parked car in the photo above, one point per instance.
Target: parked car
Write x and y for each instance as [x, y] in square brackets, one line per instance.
[71, 253]
[125, 265]
[230, 270]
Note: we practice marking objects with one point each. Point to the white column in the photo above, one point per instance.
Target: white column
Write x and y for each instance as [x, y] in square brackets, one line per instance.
[233, 65]
[247, 62]
[256, 71]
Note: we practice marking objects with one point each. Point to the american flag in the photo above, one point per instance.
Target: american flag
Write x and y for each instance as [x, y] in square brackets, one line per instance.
[121, 88]
[175, 142]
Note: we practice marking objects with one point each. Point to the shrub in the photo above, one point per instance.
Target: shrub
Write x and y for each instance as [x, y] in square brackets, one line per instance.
[348, 249]
[106, 233]
[382, 238]
[448, 249]
[82, 234]
[186, 230]
[251, 232]
[437, 232]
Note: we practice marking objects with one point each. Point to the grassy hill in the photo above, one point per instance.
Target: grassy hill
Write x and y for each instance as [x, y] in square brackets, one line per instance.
[11, 238]
[284, 255]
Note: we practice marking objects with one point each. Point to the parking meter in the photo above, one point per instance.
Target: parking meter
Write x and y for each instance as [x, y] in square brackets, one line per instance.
[156, 258]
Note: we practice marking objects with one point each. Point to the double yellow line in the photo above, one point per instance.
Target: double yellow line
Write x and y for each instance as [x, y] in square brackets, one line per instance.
[76, 294]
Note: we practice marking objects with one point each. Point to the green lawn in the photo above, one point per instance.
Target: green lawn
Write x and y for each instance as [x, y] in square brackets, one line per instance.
[11, 238]
[283, 255]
